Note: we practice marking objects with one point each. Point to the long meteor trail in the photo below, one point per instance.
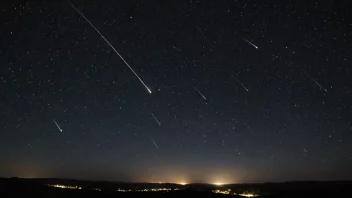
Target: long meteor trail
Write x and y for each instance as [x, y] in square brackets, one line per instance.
[156, 119]
[154, 142]
[200, 93]
[79, 12]
[57, 126]
[241, 84]
[251, 43]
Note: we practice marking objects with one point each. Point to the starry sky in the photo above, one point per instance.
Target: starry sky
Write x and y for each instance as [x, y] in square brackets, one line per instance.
[242, 91]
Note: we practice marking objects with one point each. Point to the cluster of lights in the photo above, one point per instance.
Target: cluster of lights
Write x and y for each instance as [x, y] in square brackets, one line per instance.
[119, 190]
[248, 195]
[63, 186]
[148, 190]
[228, 192]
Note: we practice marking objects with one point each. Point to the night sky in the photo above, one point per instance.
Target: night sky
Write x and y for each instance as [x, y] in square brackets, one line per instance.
[242, 91]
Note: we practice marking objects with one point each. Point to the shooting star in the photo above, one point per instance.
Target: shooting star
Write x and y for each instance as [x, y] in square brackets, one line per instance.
[203, 34]
[199, 93]
[250, 43]
[156, 119]
[312, 79]
[153, 142]
[79, 12]
[241, 84]
[57, 126]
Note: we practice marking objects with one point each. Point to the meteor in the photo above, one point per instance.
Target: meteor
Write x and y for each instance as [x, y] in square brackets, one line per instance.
[251, 43]
[312, 79]
[241, 84]
[153, 142]
[156, 119]
[199, 93]
[79, 12]
[57, 126]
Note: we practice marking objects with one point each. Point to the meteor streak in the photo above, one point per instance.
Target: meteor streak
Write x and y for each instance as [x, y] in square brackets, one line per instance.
[241, 84]
[312, 79]
[251, 43]
[154, 142]
[57, 126]
[199, 93]
[156, 119]
[79, 12]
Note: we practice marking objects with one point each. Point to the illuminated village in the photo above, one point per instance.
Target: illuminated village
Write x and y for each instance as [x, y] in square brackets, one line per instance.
[118, 190]
[228, 192]
[218, 191]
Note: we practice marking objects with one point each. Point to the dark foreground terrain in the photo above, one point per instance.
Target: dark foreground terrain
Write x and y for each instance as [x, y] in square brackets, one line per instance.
[15, 187]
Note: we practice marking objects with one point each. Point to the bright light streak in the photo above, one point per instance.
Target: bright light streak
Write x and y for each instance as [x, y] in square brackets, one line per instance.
[58, 126]
[112, 47]
[256, 47]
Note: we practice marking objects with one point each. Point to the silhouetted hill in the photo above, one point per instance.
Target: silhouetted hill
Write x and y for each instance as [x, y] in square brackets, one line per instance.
[17, 187]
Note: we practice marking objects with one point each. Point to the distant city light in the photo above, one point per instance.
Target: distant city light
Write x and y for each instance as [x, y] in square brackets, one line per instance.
[64, 186]
[248, 195]
[119, 190]
[222, 191]
[148, 190]
[228, 192]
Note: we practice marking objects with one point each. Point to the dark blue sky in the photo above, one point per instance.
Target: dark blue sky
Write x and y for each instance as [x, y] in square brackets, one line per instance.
[277, 113]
